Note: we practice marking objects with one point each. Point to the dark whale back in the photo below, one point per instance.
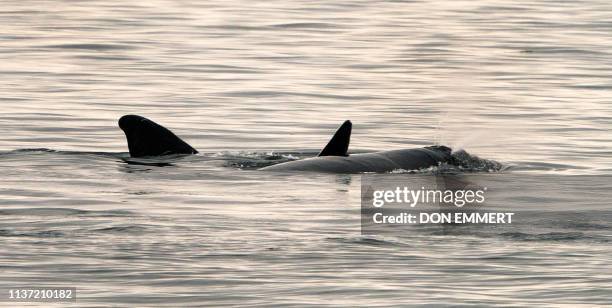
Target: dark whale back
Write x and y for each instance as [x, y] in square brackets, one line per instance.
[334, 158]
[147, 138]
[385, 161]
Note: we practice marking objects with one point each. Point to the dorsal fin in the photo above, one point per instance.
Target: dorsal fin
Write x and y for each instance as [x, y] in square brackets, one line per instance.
[147, 138]
[339, 143]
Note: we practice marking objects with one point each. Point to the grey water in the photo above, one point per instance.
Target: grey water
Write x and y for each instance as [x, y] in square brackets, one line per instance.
[525, 84]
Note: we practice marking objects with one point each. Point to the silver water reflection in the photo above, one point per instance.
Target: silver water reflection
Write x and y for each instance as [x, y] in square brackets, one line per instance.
[525, 83]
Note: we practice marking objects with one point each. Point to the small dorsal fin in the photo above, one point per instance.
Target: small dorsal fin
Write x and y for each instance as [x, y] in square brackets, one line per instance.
[339, 143]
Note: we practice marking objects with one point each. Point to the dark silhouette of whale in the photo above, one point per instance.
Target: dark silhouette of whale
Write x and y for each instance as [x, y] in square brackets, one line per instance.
[334, 158]
[147, 138]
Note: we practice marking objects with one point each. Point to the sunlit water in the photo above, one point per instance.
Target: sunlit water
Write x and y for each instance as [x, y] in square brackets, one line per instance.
[250, 83]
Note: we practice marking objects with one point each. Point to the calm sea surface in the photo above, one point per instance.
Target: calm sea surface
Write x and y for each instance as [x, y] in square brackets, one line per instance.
[251, 83]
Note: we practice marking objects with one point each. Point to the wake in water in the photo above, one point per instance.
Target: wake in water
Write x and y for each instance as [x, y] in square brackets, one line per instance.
[465, 162]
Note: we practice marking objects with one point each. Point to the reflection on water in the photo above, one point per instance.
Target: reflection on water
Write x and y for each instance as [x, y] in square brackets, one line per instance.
[524, 83]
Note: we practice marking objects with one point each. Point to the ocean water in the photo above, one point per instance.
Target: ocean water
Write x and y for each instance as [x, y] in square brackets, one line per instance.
[525, 84]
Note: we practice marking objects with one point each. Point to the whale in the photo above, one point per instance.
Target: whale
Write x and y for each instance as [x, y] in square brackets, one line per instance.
[146, 138]
[334, 158]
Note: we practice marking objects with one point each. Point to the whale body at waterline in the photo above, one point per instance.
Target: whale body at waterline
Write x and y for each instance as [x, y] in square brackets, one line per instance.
[147, 139]
[334, 158]
[384, 161]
